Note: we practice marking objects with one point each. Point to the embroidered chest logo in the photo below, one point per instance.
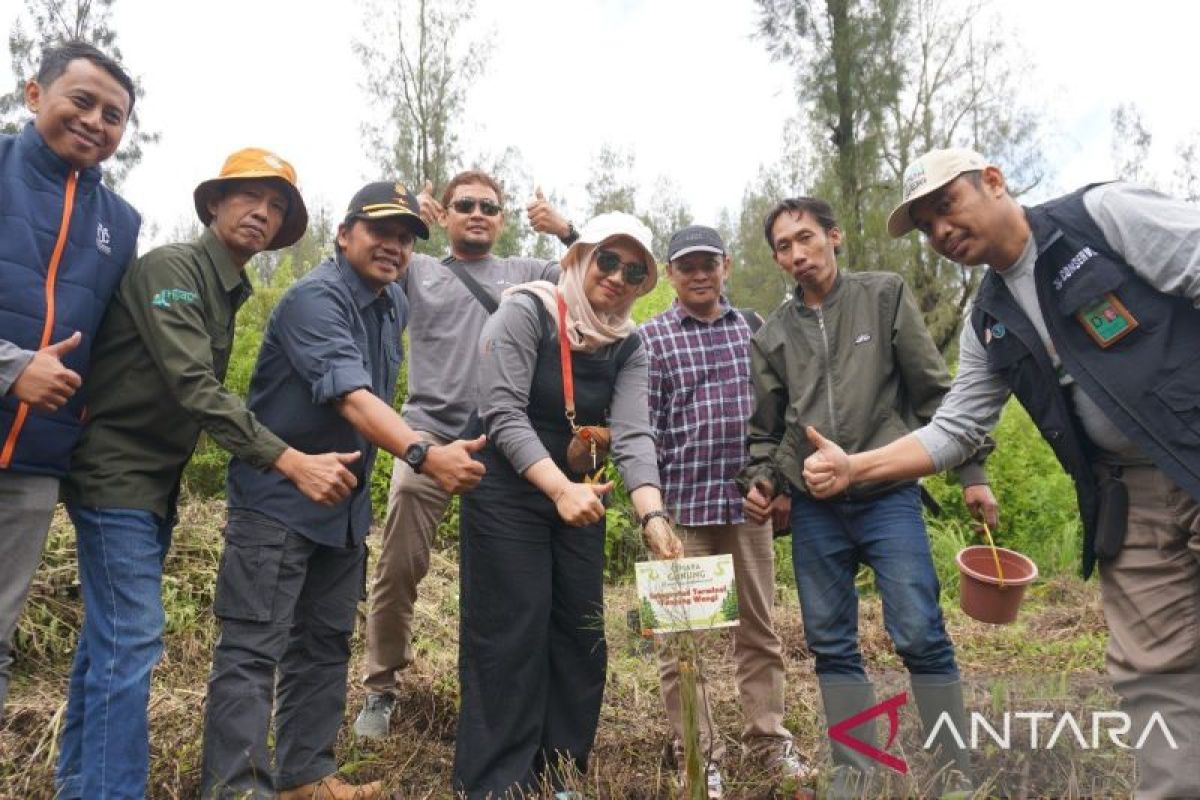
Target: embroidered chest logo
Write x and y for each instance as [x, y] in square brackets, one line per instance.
[168, 297]
[862, 338]
[103, 239]
[1071, 267]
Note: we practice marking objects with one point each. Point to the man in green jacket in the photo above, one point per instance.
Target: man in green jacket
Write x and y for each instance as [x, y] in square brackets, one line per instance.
[850, 353]
[158, 368]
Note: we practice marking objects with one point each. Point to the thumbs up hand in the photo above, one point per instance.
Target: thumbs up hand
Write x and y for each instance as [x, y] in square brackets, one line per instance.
[431, 210]
[544, 217]
[45, 384]
[826, 471]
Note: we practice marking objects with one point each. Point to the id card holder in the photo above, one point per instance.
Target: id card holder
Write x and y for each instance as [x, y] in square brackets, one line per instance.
[1106, 320]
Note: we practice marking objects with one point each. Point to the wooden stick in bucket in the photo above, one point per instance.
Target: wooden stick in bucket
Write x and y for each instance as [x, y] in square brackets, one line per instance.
[987, 533]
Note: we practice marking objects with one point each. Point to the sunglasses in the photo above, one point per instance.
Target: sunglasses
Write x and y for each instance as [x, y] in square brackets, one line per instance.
[633, 272]
[466, 205]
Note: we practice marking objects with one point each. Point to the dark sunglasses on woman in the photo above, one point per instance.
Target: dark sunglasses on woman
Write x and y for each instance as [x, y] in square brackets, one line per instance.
[633, 272]
[466, 205]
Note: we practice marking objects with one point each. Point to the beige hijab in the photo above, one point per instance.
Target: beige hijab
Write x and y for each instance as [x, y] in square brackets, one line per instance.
[587, 329]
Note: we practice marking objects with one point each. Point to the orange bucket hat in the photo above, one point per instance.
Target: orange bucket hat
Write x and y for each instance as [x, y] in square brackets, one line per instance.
[255, 163]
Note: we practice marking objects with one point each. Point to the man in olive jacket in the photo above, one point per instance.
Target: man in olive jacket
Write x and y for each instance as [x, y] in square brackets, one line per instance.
[850, 353]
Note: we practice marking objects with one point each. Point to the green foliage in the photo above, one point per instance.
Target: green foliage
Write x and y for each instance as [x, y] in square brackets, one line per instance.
[646, 615]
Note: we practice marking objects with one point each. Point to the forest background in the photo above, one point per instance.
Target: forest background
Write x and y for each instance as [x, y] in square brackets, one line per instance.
[870, 84]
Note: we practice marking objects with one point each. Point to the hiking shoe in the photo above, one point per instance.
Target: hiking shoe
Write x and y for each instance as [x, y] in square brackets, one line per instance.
[372, 722]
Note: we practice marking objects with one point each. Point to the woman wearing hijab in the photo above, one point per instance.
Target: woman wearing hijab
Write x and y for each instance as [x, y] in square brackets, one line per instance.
[532, 658]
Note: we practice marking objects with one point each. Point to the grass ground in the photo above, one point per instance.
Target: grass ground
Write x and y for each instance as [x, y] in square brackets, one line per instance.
[1060, 631]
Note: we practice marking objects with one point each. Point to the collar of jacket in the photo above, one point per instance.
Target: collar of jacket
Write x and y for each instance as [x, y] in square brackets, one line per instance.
[50, 164]
[232, 278]
[830, 299]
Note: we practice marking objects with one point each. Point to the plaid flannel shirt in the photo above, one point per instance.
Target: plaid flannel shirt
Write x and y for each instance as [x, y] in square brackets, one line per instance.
[701, 397]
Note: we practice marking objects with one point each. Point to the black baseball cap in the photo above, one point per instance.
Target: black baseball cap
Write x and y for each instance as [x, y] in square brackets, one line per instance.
[383, 199]
[693, 239]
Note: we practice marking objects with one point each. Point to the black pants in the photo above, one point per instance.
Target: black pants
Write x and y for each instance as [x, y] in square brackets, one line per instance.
[287, 608]
[531, 653]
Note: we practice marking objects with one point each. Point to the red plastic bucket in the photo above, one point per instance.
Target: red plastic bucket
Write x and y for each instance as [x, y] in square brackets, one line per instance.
[982, 594]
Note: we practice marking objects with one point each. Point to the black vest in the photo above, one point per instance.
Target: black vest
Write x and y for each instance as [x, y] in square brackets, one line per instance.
[1147, 383]
[594, 376]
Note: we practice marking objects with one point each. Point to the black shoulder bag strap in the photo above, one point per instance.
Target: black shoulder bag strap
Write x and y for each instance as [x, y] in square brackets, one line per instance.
[752, 319]
[468, 280]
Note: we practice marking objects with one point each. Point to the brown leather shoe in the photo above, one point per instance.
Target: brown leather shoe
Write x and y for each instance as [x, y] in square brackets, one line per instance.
[331, 787]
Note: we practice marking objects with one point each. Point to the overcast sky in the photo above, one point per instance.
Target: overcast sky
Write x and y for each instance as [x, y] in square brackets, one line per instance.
[680, 81]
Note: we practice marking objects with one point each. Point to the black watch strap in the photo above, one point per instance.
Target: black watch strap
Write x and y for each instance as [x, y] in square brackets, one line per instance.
[571, 236]
[415, 455]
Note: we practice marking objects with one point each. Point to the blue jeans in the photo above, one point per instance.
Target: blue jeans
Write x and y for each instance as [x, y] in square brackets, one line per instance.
[830, 539]
[105, 749]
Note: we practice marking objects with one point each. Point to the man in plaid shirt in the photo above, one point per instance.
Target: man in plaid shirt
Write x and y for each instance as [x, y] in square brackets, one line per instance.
[700, 399]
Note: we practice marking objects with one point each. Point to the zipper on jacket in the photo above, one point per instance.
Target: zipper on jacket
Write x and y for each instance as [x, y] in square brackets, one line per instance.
[833, 433]
[10, 444]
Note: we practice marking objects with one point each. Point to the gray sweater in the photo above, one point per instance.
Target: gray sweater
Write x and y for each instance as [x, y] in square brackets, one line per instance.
[508, 352]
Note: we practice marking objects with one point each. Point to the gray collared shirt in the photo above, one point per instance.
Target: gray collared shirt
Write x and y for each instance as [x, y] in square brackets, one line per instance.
[330, 335]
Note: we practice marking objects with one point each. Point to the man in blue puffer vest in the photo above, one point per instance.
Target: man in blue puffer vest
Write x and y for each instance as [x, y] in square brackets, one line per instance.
[65, 240]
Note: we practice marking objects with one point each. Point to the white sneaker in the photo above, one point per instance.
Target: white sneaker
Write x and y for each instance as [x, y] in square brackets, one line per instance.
[713, 781]
[374, 719]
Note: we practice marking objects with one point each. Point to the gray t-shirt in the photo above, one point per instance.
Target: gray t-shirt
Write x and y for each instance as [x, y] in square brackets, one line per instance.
[443, 335]
[13, 361]
[1158, 236]
[508, 350]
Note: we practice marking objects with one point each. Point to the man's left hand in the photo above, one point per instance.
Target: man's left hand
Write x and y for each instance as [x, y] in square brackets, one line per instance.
[431, 209]
[982, 504]
[452, 467]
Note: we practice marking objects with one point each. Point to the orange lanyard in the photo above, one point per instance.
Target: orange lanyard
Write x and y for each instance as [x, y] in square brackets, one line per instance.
[564, 351]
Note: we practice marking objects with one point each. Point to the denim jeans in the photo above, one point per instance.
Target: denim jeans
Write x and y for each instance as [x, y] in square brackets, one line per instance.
[105, 745]
[830, 539]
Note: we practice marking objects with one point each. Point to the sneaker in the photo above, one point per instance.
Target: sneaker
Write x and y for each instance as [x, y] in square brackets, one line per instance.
[785, 764]
[372, 722]
[713, 782]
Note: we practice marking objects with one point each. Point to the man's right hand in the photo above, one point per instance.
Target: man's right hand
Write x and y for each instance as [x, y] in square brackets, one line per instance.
[758, 502]
[45, 383]
[430, 209]
[322, 478]
[579, 503]
[451, 466]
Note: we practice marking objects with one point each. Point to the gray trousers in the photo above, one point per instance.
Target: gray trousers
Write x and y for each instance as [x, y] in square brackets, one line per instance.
[286, 607]
[26, 506]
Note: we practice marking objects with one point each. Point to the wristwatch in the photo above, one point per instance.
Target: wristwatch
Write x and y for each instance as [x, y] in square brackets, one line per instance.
[571, 235]
[414, 456]
[649, 515]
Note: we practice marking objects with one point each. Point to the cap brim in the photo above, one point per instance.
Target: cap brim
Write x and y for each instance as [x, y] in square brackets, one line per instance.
[383, 211]
[699, 248]
[295, 223]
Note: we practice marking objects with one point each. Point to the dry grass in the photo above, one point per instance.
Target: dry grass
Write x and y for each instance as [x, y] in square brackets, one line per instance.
[1061, 628]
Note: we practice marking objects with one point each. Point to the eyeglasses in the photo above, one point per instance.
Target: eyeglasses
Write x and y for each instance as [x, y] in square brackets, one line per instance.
[466, 205]
[633, 272]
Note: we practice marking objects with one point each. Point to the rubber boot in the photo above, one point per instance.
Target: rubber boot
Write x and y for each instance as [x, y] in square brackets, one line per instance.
[951, 762]
[852, 770]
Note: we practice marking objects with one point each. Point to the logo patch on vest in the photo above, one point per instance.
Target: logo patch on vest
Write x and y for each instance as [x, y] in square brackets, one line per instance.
[1107, 320]
[862, 338]
[997, 331]
[167, 297]
[1071, 267]
[103, 239]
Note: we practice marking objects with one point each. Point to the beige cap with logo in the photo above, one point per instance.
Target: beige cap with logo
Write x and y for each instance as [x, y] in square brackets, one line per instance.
[926, 175]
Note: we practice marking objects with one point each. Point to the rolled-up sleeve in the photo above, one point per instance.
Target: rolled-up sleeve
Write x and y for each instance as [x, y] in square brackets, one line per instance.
[177, 338]
[629, 419]
[13, 361]
[508, 350]
[313, 329]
